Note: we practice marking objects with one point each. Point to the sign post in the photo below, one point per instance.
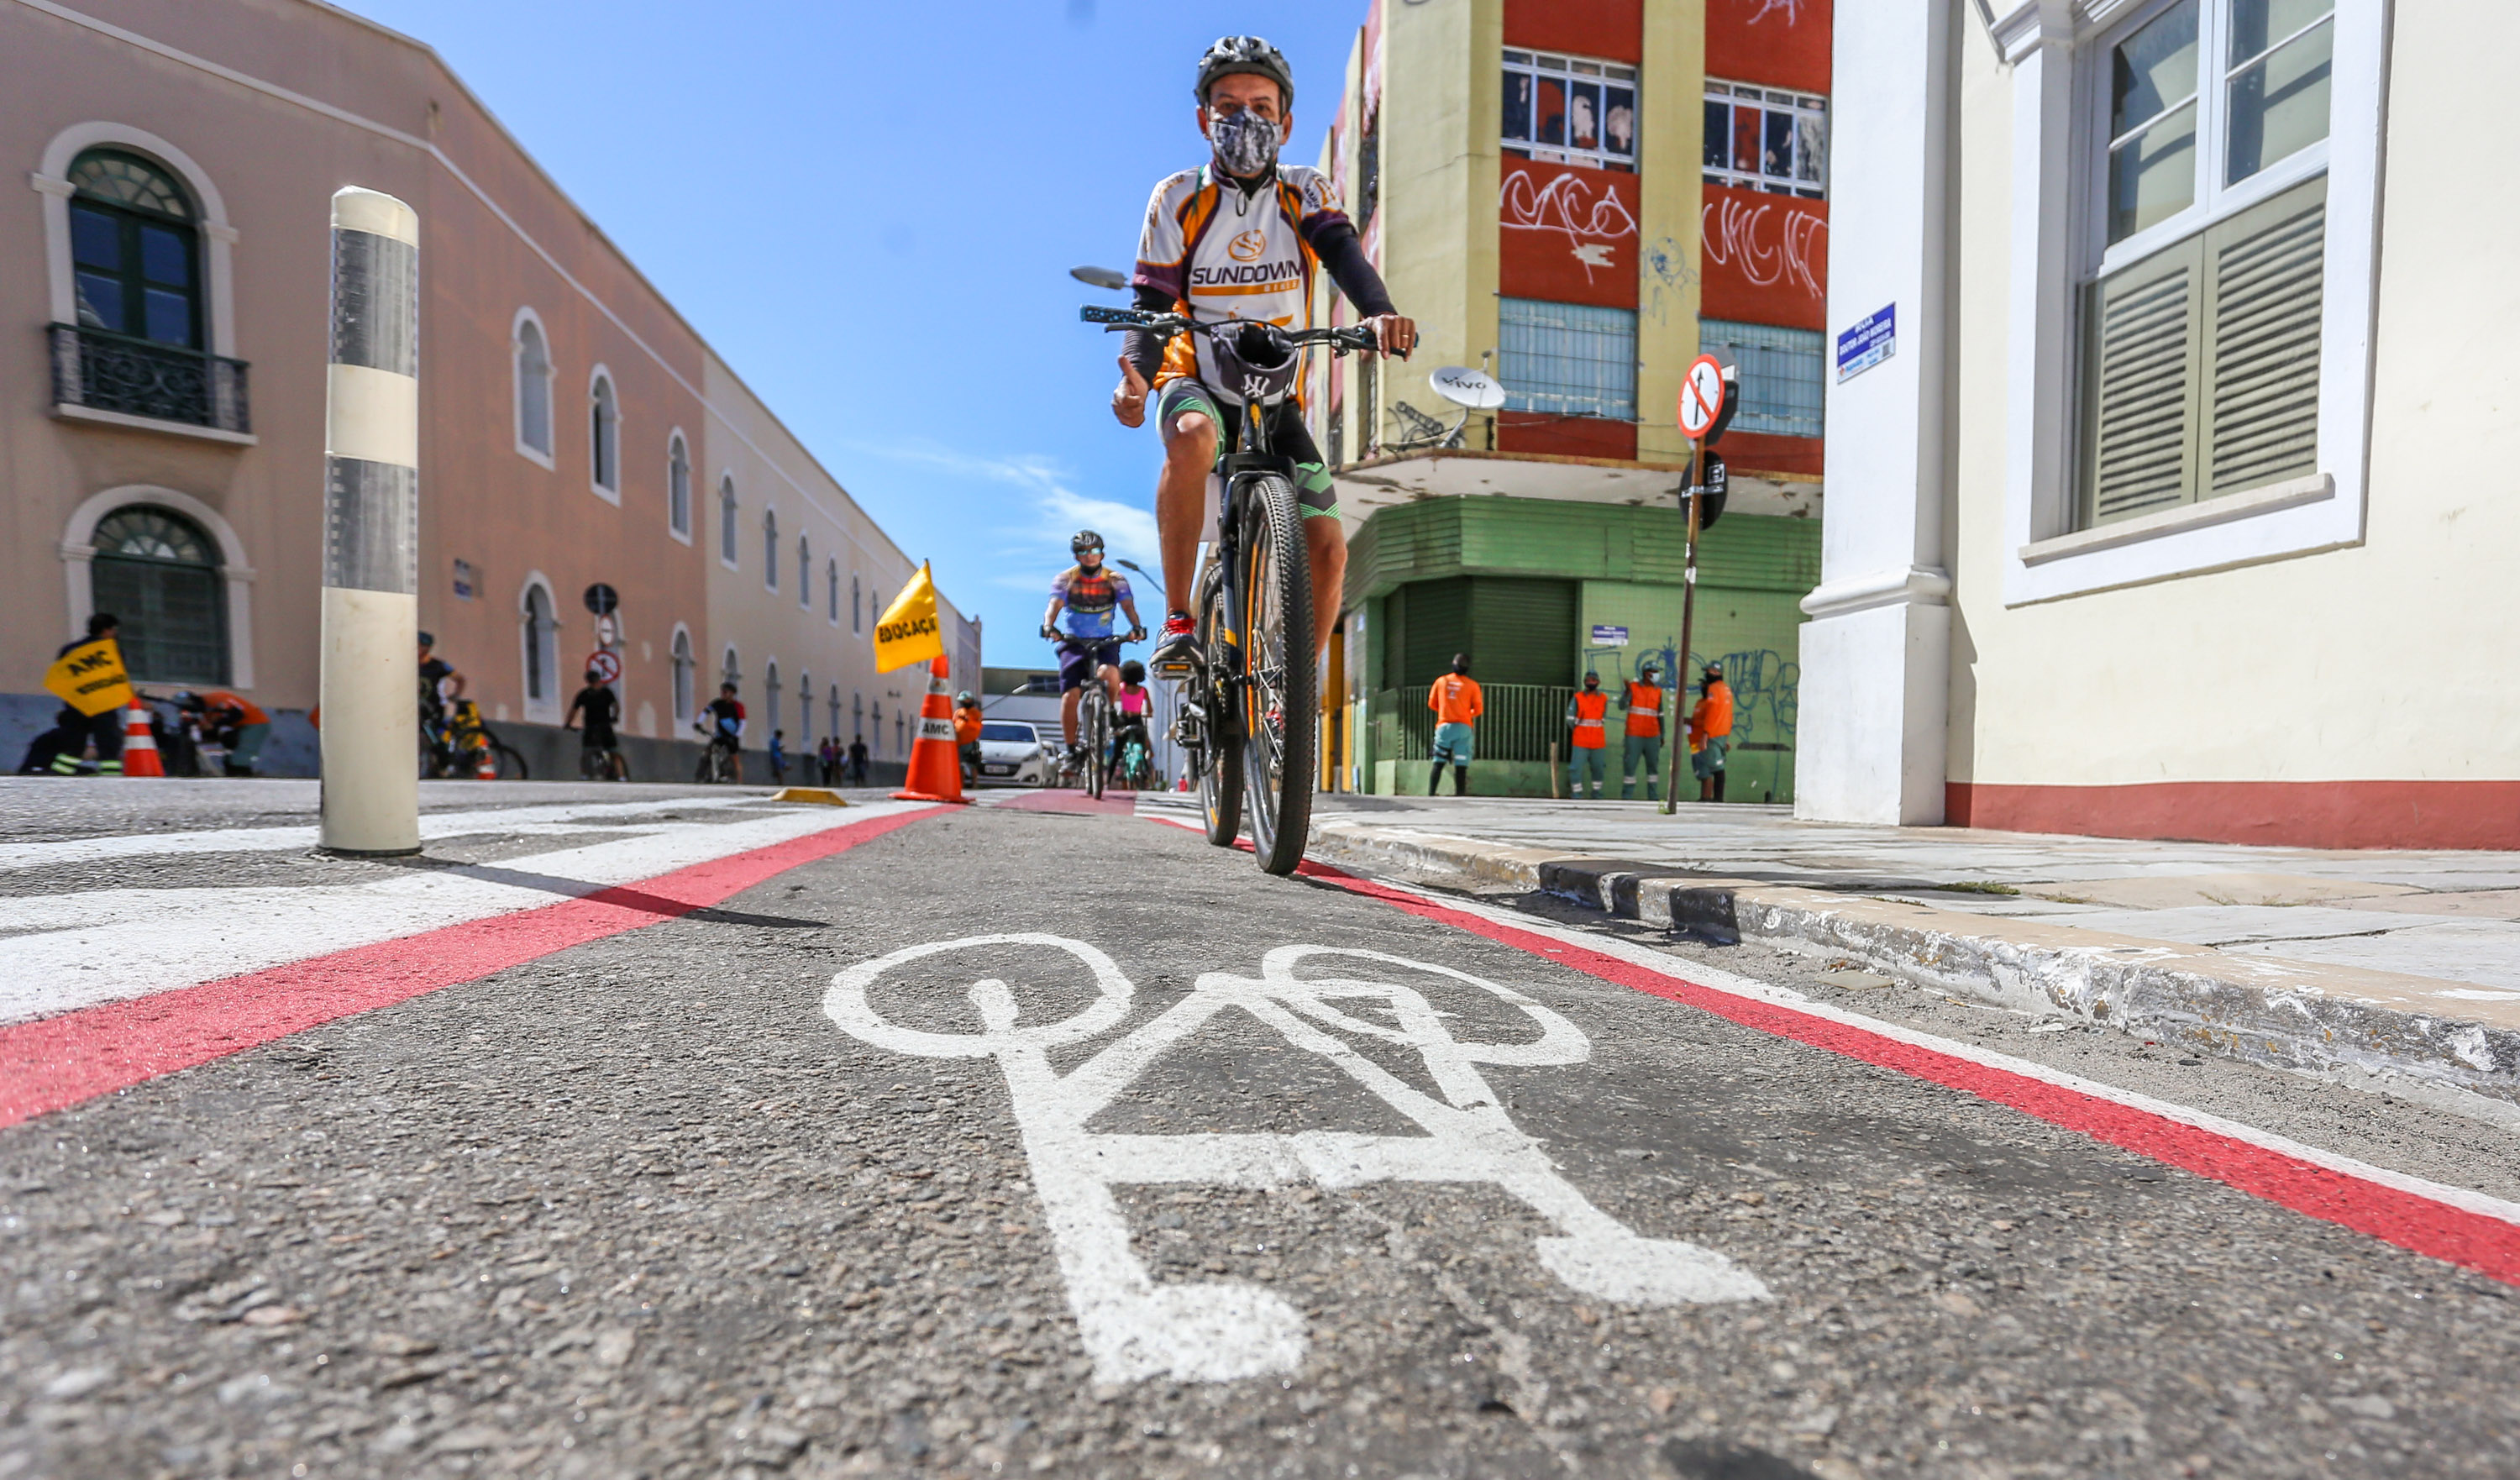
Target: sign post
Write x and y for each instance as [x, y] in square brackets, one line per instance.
[370, 613]
[1701, 399]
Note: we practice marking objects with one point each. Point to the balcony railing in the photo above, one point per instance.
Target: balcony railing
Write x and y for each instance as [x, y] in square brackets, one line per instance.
[103, 371]
[1520, 725]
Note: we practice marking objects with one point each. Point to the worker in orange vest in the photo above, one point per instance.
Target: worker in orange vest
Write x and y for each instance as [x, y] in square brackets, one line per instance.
[1458, 705]
[1643, 703]
[1710, 733]
[1586, 712]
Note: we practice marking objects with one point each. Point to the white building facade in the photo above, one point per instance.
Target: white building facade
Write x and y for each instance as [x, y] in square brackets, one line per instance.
[2180, 507]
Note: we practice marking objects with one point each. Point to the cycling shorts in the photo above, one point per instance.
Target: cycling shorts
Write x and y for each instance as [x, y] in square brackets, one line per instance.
[1080, 658]
[1314, 494]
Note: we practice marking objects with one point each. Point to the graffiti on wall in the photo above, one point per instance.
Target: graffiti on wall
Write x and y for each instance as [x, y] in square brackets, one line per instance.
[1790, 10]
[1791, 250]
[1583, 206]
[1765, 684]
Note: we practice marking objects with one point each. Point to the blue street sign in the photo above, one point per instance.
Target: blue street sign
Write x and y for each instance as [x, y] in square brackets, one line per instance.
[1867, 342]
[1609, 637]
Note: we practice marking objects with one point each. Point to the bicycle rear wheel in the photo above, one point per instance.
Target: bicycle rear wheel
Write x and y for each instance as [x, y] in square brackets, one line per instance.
[512, 765]
[1219, 759]
[1279, 702]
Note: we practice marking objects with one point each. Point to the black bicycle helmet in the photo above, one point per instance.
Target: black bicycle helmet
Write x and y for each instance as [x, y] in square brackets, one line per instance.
[1246, 54]
[1082, 541]
[429, 640]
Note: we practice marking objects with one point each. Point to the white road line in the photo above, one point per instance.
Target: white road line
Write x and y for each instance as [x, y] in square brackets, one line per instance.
[63, 951]
[1719, 980]
[432, 825]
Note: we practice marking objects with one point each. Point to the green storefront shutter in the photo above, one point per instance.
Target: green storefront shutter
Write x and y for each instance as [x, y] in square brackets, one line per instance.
[1522, 630]
[1434, 624]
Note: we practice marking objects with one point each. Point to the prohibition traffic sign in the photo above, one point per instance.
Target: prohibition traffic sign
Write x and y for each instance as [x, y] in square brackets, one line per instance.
[606, 666]
[1702, 395]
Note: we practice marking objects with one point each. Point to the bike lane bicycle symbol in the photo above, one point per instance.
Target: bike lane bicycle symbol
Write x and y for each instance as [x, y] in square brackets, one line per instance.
[1216, 1331]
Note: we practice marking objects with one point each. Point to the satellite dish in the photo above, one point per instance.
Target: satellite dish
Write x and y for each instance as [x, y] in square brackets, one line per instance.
[1472, 389]
[1101, 276]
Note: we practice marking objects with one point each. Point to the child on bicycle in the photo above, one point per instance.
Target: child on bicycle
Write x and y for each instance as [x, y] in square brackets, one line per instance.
[1129, 723]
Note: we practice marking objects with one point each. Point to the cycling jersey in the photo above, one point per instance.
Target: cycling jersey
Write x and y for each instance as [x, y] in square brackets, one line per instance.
[1221, 251]
[1091, 599]
[725, 718]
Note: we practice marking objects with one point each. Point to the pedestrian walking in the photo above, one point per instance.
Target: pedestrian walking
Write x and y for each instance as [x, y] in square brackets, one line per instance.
[827, 758]
[1643, 706]
[1710, 733]
[858, 761]
[1458, 705]
[1588, 750]
[778, 757]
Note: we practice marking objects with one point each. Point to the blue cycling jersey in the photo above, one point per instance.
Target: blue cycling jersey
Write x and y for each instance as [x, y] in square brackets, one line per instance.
[1091, 599]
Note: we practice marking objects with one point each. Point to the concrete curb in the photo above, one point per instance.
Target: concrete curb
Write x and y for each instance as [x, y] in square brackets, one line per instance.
[2287, 1015]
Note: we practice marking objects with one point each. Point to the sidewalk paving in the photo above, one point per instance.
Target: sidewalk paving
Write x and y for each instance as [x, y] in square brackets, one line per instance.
[2400, 964]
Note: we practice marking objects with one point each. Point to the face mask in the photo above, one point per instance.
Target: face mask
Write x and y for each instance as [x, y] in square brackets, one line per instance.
[1591, 684]
[1245, 143]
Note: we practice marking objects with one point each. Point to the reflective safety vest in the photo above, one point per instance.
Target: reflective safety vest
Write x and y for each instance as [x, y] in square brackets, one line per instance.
[1645, 710]
[1589, 710]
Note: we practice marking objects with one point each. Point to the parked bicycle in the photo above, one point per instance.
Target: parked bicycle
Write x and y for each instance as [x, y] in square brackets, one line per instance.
[454, 741]
[1247, 715]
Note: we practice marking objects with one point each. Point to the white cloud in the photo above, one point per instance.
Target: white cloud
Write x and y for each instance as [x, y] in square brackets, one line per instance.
[1059, 510]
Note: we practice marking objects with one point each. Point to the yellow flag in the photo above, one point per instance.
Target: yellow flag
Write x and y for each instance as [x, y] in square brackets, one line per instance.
[908, 632]
[89, 677]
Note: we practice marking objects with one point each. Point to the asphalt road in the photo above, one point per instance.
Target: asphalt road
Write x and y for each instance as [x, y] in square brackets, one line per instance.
[709, 1196]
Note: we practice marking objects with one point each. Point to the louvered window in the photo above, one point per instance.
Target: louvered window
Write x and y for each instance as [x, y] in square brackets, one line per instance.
[2203, 369]
[2201, 330]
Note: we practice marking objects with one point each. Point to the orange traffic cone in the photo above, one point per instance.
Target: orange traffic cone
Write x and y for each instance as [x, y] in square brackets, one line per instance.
[140, 745]
[488, 768]
[935, 767]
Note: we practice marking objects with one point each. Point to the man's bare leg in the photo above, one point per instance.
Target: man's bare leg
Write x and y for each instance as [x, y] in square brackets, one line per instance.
[1326, 545]
[1190, 454]
[1067, 706]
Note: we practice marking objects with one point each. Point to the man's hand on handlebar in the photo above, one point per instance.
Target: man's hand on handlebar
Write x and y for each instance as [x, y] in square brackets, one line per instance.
[1395, 334]
[1129, 402]
[1135, 635]
[1051, 633]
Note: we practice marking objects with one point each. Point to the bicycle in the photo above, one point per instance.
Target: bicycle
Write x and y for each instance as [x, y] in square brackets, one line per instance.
[603, 765]
[717, 761]
[1134, 767]
[1092, 713]
[1246, 722]
[453, 740]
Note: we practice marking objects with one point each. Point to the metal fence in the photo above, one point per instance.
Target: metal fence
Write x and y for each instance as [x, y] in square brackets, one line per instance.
[1520, 723]
[140, 378]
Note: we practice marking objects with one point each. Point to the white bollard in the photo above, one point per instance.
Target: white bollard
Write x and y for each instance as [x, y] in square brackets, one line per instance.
[371, 683]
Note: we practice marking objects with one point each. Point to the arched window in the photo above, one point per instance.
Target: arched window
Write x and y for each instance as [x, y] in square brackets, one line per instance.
[678, 485]
[770, 694]
[805, 712]
[684, 664]
[804, 573]
[135, 249]
[541, 635]
[874, 724]
[900, 732]
[158, 572]
[836, 712]
[604, 437]
[832, 584]
[533, 390]
[857, 715]
[856, 607]
[726, 522]
[730, 671]
[770, 549]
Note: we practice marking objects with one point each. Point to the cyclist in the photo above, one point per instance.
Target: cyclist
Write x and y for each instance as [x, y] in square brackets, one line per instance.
[722, 721]
[1130, 711]
[1089, 591]
[599, 753]
[439, 683]
[1238, 237]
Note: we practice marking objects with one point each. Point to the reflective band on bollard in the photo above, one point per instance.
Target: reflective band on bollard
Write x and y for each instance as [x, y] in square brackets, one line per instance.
[370, 731]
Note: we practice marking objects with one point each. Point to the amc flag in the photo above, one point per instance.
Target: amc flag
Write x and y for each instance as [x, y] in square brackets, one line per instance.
[89, 677]
[908, 632]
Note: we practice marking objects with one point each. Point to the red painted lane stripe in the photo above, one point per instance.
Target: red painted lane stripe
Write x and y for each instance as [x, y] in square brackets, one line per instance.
[2409, 1220]
[59, 1061]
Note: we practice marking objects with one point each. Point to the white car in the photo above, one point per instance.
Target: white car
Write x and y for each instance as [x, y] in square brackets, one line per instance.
[1011, 754]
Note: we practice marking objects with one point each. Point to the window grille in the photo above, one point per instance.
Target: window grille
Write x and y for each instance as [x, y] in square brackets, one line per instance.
[1782, 374]
[1567, 359]
[1762, 138]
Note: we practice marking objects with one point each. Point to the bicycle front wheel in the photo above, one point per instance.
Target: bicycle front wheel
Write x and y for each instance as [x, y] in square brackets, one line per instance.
[1218, 756]
[1098, 719]
[1279, 702]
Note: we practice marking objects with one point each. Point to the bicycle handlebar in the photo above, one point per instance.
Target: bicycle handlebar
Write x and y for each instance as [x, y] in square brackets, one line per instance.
[1340, 340]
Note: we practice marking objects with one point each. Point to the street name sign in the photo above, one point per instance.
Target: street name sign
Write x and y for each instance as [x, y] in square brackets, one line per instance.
[1609, 637]
[1868, 342]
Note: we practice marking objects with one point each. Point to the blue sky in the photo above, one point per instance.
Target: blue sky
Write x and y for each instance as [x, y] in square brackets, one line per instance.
[871, 209]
